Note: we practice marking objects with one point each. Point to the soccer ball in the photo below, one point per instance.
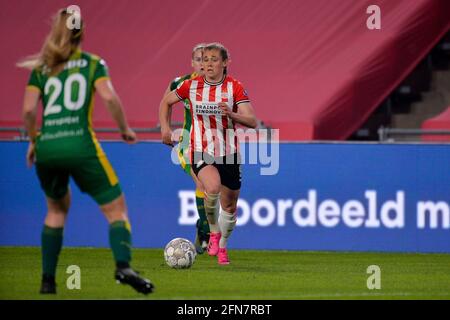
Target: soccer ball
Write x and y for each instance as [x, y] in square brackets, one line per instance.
[180, 253]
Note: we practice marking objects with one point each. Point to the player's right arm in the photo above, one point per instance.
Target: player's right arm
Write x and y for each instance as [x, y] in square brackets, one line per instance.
[168, 90]
[164, 116]
[106, 91]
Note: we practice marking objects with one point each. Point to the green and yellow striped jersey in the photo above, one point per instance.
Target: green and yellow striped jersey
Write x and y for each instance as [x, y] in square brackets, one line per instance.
[184, 143]
[68, 98]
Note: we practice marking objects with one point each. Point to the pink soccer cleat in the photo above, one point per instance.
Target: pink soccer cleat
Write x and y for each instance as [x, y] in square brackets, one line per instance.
[222, 256]
[213, 245]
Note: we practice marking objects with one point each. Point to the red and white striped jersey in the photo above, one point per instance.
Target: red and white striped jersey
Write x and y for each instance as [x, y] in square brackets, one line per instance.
[211, 132]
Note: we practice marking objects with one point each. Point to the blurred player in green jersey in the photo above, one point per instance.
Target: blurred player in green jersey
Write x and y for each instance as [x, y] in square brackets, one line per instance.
[66, 78]
[202, 235]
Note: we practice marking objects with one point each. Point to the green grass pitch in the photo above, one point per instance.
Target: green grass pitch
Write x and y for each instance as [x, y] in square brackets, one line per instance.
[274, 275]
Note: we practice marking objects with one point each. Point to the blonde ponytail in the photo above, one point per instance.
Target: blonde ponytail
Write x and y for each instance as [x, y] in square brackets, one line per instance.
[59, 45]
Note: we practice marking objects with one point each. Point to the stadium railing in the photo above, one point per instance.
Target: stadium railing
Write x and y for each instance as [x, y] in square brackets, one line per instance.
[389, 134]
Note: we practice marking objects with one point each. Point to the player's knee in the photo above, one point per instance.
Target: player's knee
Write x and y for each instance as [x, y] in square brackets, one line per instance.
[115, 213]
[115, 207]
[213, 189]
[56, 213]
[55, 218]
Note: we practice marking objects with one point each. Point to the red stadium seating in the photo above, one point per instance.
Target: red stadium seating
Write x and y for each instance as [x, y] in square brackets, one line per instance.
[312, 68]
[439, 122]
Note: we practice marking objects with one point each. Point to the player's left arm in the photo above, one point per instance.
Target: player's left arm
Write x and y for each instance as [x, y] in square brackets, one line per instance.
[29, 111]
[114, 105]
[245, 114]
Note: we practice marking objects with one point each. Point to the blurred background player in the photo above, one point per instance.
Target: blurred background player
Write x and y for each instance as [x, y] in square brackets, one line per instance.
[202, 234]
[66, 78]
[217, 103]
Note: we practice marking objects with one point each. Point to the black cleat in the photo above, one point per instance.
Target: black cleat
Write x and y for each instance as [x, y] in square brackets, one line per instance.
[204, 240]
[201, 239]
[132, 278]
[48, 285]
[198, 244]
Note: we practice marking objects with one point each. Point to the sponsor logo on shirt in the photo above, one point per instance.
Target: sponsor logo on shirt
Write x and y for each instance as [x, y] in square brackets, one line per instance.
[207, 109]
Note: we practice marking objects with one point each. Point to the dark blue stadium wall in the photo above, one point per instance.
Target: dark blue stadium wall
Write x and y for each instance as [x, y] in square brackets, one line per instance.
[346, 197]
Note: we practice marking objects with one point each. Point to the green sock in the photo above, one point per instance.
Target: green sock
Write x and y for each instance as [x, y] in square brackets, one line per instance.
[51, 240]
[199, 199]
[120, 241]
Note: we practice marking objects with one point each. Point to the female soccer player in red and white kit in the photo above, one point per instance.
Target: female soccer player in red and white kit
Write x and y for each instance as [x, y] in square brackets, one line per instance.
[218, 102]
